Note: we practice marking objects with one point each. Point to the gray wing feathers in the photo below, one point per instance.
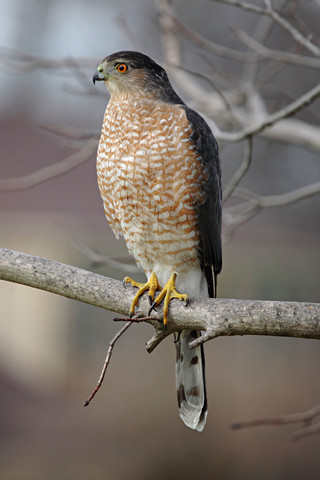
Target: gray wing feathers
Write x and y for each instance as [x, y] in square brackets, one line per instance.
[209, 212]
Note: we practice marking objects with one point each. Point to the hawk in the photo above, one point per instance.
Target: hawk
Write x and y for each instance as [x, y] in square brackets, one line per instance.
[159, 177]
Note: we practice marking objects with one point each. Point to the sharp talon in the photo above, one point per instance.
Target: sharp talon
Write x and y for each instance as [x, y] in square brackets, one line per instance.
[151, 286]
[153, 307]
[166, 294]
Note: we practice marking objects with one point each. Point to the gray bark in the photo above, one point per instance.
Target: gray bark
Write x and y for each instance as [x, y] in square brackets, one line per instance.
[216, 317]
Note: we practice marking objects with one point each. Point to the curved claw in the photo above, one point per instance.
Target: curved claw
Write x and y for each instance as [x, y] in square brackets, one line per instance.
[153, 307]
[167, 294]
[152, 285]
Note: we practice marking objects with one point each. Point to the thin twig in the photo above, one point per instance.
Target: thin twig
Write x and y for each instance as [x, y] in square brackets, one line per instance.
[82, 78]
[101, 260]
[46, 173]
[170, 42]
[304, 41]
[260, 52]
[270, 12]
[131, 36]
[244, 5]
[242, 170]
[273, 118]
[296, 195]
[213, 47]
[305, 417]
[225, 101]
[236, 215]
[107, 361]
[69, 131]
[276, 55]
[261, 32]
[305, 432]
[10, 57]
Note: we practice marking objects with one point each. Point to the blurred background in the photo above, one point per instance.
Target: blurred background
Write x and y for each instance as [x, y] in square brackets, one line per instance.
[52, 349]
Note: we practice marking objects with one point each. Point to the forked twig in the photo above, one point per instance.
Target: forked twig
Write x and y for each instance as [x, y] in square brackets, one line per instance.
[110, 350]
[276, 55]
[280, 20]
[305, 418]
[107, 361]
[242, 170]
[46, 173]
[97, 260]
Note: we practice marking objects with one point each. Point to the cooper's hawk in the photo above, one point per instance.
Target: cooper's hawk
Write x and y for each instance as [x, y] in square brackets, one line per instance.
[159, 177]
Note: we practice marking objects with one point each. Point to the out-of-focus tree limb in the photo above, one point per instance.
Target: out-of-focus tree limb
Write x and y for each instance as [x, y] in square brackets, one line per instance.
[294, 132]
[272, 119]
[259, 53]
[277, 55]
[46, 173]
[236, 215]
[20, 62]
[97, 260]
[239, 174]
[274, 15]
[305, 418]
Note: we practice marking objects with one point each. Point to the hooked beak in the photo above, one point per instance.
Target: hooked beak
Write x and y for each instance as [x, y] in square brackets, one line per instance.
[98, 77]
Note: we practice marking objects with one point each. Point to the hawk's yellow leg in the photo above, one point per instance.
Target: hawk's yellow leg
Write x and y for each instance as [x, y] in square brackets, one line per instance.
[152, 285]
[168, 293]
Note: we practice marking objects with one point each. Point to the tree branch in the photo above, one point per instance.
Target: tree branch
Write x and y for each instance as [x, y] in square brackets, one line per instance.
[21, 62]
[235, 215]
[242, 170]
[217, 317]
[46, 173]
[305, 418]
[98, 260]
[259, 53]
[170, 43]
[270, 120]
[294, 132]
[276, 55]
[270, 12]
[107, 361]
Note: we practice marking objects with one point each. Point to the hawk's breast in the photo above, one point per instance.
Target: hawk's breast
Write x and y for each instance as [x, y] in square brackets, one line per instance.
[150, 180]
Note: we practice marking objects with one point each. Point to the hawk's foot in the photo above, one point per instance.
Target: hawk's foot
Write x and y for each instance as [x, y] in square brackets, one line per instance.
[168, 293]
[152, 285]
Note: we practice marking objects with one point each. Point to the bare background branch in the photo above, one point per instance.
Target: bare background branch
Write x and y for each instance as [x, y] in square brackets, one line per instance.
[305, 418]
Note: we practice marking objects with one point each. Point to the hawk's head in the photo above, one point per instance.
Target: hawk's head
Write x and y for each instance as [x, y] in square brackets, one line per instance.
[130, 72]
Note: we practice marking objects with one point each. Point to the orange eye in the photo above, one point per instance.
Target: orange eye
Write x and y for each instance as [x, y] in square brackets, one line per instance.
[122, 67]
